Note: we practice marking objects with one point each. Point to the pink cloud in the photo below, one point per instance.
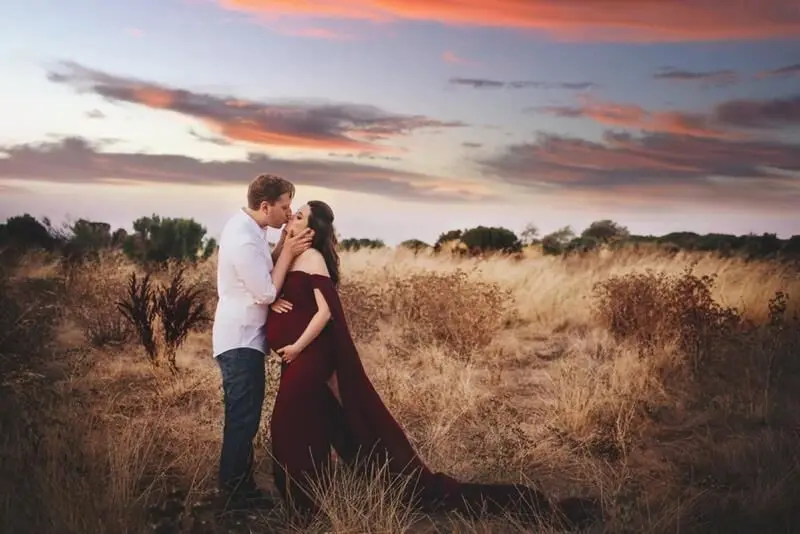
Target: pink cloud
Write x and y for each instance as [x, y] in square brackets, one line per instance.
[631, 21]
[452, 57]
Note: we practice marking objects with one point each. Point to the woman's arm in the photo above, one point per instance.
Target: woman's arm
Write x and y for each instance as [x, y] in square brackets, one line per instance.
[313, 263]
[316, 324]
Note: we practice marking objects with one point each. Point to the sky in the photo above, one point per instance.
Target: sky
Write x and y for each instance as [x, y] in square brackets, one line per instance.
[409, 117]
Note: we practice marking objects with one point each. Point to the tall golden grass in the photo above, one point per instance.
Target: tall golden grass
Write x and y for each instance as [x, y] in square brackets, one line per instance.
[627, 376]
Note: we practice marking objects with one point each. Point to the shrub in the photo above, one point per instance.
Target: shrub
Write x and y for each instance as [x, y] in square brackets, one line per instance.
[91, 288]
[353, 244]
[363, 303]
[655, 310]
[554, 243]
[582, 245]
[157, 240]
[24, 233]
[452, 235]
[28, 312]
[483, 239]
[415, 245]
[449, 310]
[605, 231]
[103, 329]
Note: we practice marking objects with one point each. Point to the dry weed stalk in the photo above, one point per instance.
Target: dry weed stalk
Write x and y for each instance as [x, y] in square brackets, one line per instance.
[139, 309]
[182, 310]
[179, 309]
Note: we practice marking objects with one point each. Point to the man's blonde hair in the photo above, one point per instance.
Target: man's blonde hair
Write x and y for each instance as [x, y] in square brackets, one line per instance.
[267, 188]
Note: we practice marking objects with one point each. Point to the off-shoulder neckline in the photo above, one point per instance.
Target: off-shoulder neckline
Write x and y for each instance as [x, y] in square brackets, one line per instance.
[309, 274]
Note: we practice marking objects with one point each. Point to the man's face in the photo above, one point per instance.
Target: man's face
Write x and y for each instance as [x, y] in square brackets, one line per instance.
[276, 215]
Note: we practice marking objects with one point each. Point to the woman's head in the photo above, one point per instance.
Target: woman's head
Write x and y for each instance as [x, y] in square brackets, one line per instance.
[318, 216]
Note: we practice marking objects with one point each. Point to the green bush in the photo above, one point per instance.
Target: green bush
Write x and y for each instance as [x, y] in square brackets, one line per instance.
[157, 241]
[353, 244]
[491, 239]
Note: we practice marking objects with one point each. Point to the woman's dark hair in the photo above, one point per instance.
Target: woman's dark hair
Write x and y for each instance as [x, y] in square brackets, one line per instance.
[320, 219]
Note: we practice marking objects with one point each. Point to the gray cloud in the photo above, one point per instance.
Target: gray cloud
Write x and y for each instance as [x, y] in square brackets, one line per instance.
[772, 113]
[213, 139]
[732, 119]
[483, 83]
[364, 155]
[715, 77]
[76, 160]
[653, 166]
[724, 77]
[783, 72]
[328, 126]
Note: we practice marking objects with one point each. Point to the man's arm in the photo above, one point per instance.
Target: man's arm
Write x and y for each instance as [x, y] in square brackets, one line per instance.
[290, 249]
[282, 267]
[276, 252]
[250, 263]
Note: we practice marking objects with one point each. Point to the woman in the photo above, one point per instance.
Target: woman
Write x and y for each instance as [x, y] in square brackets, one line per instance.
[325, 399]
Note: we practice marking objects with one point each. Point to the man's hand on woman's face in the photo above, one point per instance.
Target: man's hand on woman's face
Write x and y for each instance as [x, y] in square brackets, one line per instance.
[297, 244]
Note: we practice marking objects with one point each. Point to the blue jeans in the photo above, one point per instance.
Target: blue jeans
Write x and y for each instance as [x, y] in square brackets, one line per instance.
[243, 383]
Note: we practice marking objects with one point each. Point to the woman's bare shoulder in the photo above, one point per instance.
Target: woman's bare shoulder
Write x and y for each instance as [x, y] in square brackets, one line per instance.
[312, 262]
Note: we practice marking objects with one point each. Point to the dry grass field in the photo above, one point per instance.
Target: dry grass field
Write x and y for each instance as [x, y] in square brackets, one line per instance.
[664, 385]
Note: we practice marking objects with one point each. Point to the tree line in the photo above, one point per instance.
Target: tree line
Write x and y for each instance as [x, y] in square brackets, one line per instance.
[157, 240]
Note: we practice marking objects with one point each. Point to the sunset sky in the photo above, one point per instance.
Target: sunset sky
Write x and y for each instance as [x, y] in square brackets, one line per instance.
[409, 117]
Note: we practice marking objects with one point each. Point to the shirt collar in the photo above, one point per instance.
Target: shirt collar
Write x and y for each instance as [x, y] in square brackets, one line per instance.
[262, 232]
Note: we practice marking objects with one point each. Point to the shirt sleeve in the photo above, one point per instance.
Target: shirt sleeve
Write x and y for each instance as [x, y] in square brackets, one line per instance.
[252, 268]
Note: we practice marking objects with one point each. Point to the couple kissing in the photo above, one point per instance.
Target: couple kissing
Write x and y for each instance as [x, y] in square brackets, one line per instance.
[286, 299]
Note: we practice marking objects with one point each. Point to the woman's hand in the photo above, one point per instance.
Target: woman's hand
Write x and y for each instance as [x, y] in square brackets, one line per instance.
[289, 352]
[281, 306]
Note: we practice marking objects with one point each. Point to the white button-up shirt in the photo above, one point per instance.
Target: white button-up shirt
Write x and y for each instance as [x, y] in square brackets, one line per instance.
[244, 286]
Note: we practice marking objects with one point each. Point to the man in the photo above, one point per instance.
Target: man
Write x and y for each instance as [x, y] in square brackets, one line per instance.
[249, 278]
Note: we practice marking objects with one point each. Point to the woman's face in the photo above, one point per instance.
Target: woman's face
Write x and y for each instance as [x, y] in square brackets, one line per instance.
[299, 221]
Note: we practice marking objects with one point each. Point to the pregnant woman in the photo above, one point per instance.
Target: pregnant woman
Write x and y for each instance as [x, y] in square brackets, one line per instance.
[325, 399]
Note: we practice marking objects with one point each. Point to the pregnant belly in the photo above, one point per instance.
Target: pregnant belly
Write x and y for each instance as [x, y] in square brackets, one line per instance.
[284, 328]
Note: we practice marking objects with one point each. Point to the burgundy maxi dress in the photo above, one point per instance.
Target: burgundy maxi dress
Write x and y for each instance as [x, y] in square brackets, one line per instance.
[308, 421]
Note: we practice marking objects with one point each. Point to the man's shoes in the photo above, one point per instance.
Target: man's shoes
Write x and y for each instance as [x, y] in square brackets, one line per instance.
[251, 498]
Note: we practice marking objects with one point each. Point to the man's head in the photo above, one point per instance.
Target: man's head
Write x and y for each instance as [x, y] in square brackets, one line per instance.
[269, 199]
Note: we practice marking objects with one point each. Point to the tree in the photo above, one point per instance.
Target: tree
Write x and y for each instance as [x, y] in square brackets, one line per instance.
[555, 242]
[487, 239]
[529, 234]
[210, 248]
[605, 231]
[763, 246]
[791, 247]
[24, 232]
[582, 244]
[353, 244]
[87, 238]
[415, 244]
[157, 240]
[451, 235]
[118, 237]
